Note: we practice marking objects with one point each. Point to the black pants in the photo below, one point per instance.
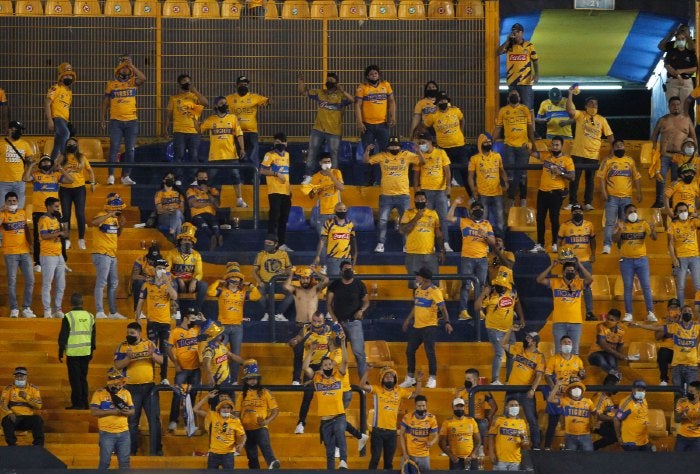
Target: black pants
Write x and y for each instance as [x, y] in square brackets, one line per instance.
[77, 376]
[607, 431]
[298, 361]
[136, 291]
[185, 376]
[158, 334]
[255, 439]
[280, 204]
[416, 337]
[548, 202]
[590, 180]
[23, 423]
[308, 396]
[458, 154]
[464, 464]
[141, 396]
[552, 422]
[69, 197]
[664, 358]
[382, 440]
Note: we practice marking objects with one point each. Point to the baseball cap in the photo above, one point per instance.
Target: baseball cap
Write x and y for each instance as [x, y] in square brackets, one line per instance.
[458, 401]
[394, 141]
[425, 273]
[517, 27]
[16, 124]
[242, 79]
[20, 371]
[442, 95]
[639, 384]
[674, 302]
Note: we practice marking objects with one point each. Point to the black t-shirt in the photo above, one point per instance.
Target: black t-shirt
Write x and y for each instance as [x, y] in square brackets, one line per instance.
[347, 298]
[678, 59]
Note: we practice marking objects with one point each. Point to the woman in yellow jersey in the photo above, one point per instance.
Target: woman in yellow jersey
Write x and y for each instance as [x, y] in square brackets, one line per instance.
[57, 107]
[688, 413]
[423, 107]
[170, 206]
[73, 193]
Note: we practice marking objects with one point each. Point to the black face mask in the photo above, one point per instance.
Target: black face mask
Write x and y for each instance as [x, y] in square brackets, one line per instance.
[569, 275]
[442, 106]
[57, 214]
[169, 182]
[186, 248]
[67, 81]
[477, 213]
[499, 289]
[16, 134]
[513, 99]
[619, 153]
[45, 168]
[374, 83]
[486, 148]
[468, 384]
[242, 90]
[431, 93]
[341, 214]
[687, 178]
[389, 385]
[202, 182]
[458, 413]
[331, 85]
[394, 151]
[687, 317]
[421, 412]
[691, 397]
[71, 148]
[113, 388]
[555, 154]
[327, 372]
[123, 77]
[270, 248]
[577, 218]
[222, 109]
[280, 147]
[131, 340]
[348, 274]
[421, 205]
[185, 86]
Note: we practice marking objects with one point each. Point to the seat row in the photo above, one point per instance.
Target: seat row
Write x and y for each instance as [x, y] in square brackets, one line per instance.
[231, 9]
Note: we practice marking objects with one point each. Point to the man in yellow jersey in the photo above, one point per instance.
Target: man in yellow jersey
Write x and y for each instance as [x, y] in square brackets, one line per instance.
[685, 189]
[447, 121]
[552, 112]
[632, 420]
[204, 200]
[328, 127]
[245, 104]
[53, 267]
[610, 338]
[339, 241]
[424, 107]
[224, 134]
[226, 434]
[514, 126]
[57, 108]
[143, 270]
[687, 412]
[460, 439]
[394, 164]
[630, 235]
[156, 304]
[507, 436]
[522, 64]
[591, 127]
[567, 290]
[183, 112]
[434, 179]
[326, 186]
[577, 412]
[275, 166]
[605, 408]
[16, 242]
[328, 382]
[257, 409]
[119, 107]
[417, 433]
[186, 266]
[18, 154]
[386, 398]
[485, 407]
[108, 226]
[499, 303]
[617, 178]
[683, 247]
[182, 351]
[578, 235]
[421, 228]
[18, 403]
[77, 341]
[557, 172]
[486, 180]
[216, 359]
[112, 405]
[136, 357]
[270, 262]
[423, 322]
[477, 237]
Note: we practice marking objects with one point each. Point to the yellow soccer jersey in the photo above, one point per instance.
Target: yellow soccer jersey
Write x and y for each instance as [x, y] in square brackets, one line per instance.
[633, 239]
[271, 264]
[12, 168]
[217, 358]
[564, 369]
[329, 117]
[104, 237]
[519, 68]
[184, 110]
[222, 136]
[487, 173]
[140, 369]
[552, 168]
[185, 266]
[386, 405]
[421, 240]
[339, 237]
[20, 404]
[515, 121]
[185, 347]
[578, 238]
[224, 433]
[61, 98]
[102, 400]
[122, 99]
[425, 107]
[615, 336]
[375, 101]
[474, 235]
[555, 113]
[619, 175]
[321, 340]
[196, 194]
[508, 434]
[156, 302]
[480, 402]
[395, 169]
[577, 415]
[634, 417]
[330, 393]
[500, 309]
[418, 432]
[526, 364]
[75, 169]
[49, 247]
[460, 435]
[589, 132]
[567, 300]
[678, 191]
[685, 237]
[432, 172]
[447, 126]
[44, 185]
[169, 199]
[685, 342]
[14, 232]
[326, 192]
[246, 109]
[3, 98]
[255, 404]
[337, 356]
[689, 428]
[231, 302]
[426, 303]
[279, 163]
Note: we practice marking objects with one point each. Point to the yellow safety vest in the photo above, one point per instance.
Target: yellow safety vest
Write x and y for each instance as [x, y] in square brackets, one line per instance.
[80, 336]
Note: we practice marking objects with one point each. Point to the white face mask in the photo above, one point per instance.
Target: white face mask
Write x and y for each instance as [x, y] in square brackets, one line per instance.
[12, 208]
[326, 166]
[683, 215]
[160, 273]
[680, 43]
[21, 383]
[639, 395]
[633, 217]
[576, 392]
[566, 348]
[424, 147]
[688, 151]
[513, 411]
[225, 414]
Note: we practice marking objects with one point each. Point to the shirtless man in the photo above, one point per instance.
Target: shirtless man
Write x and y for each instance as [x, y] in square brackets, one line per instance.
[673, 128]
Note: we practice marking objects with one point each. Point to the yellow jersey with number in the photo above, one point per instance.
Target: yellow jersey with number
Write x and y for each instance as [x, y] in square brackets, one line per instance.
[460, 435]
[156, 302]
[474, 237]
[386, 405]
[185, 109]
[577, 415]
[329, 393]
[589, 133]
[12, 167]
[500, 309]
[515, 122]
[326, 192]
[447, 126]
[551, 178]
[255, 404]
[508, 438]
[222, 136]
[426, 303]
[678, 191]
[567, 300]
[375, 101]
[685, 342]
[620, 175]
[418, 432]
[279, 164]
[432, 172]
[519, 67]
[246, 109]
[421, 240]
[14, 232]
[561, 368]
[685, 237]
[395, 169]
[122, 99]
[487, 173]
[105, 236]
[633, 239]
[578, 238]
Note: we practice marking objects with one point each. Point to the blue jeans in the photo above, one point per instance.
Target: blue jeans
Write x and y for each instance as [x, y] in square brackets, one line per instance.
[614, 210]
[24, 262]
[495, 337]
[517, 178]
[423, 462]
[605, 360]
[173, 221]
[105, 275]
[332, 436]
[356, 338]
[684, 444]
[666, 164]
[60, 137]
[629, 267]
[114, 442]
[684, 374]
[224, 461]
[187, 142]
[128, 130]
[573, 330]
[527, 96]
[478, 267]
[681, 273]
[506, 466]
[280, 306]
[437, 200]
[376, 134]
[587, 292]
[18, 187]
[494, 212]
[252, 150]
[333, 266]
[578, 442]
[399, 202]
[529, 408]
[233, 335]
[52, 268]
[200, 290]
[316, 141]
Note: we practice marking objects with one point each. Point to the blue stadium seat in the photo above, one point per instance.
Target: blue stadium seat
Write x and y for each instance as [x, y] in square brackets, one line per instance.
[313, 217]
[345, 152]
[296, 220]
[362, 217]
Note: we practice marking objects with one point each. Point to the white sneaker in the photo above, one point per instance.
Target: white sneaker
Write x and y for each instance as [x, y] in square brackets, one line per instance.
[663, 383]
[68, 245]
[110, 179]
[379, 248]
[408, 382]
[241, 203]
[537, 249]
[116, 315]
[627, 318]
[285, 248]
[634, 357]
[342, 465]
[127, 181]
[280, 317]
[567, 207]
[81, 244]
[177, 316]
[68, 269]
[448, 248]
[454, 182]
[275, 464]
[606, 249]
[555, 248]
[165, 382]
[362, 442]
[496, 382]
[299, 429]
[266, 317]
[14, 313]
[523, 203]
[172, 426]
[100, 315]
[323, 270]
[306, 180]
[651, 317]
[142, 316]
[37, 268]
[48, 314]
[588, 207]
[58, 314]
[296, 382]
[432, 382]
[178, 183]
[337, 452]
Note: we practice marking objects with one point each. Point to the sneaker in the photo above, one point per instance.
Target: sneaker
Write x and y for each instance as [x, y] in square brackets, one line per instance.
[14, 313]
[588, 207]
[58, 314]
[299, 429]
[342, 465]
[606, 249]
[627, 318]
[337, 453]
[177, 316]
[634, 357]
[616, 374]
[68, 269]
[432, 382]
[454, 182]
[663, 383]
[68, 245]
[591, 317]
[362, 442]
[537, 249]
[165, 382]
[280, 317]
[306, 180]
[285, 248]
[523, 203]
[464, 314]
[178, 182]
[403, 249]
[172, 426]
[241, 203]
[379, 248]
[48, 314]
[116, 315]
[448, 248]
[408, 382]
[81, 244]
[266, 317]
[142, 316]
[110, 179]
[555, 249]
[127, 181]
[296, 382]
[100, 315]
[275, 464]
[37, 268]
[323, 270]
[496, 382]
[651, 317]
[567, 207]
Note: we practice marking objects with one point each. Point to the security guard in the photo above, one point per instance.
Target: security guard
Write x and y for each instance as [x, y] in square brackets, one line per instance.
[77, 341]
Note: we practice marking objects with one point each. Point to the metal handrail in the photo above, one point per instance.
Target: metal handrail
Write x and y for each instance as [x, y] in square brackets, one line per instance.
[153, 435]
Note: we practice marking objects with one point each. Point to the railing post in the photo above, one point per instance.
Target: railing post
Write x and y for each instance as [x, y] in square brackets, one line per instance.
[256, 197]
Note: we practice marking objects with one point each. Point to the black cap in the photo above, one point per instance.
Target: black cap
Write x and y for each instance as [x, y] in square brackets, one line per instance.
[517, 27]
[674, 302]
[425, 273]
[161, 262]
[16, 124]
[242, 79]
[576, 207]
[425, 135]
[442, 95]
[44, 158]
[190, 311]
[394, 140]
